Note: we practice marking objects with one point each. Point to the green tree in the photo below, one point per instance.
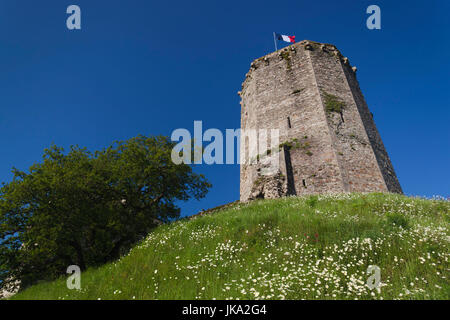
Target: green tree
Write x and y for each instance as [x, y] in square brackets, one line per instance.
[88, 208]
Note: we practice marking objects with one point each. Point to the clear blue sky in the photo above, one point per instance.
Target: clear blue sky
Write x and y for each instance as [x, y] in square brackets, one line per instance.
[149, 67]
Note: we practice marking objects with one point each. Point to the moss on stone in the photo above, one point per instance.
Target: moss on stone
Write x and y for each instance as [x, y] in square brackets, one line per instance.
[333, 103]
[286, 56]
[296, 144]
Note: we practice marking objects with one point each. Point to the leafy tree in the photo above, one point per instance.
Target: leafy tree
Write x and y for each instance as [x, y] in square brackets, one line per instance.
[88, 208]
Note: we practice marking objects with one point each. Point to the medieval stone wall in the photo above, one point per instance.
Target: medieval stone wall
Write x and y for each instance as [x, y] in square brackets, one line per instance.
[323, 147]
[384, 163]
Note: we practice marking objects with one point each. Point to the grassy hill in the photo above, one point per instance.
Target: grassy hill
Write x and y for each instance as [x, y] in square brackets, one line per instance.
[316, 247]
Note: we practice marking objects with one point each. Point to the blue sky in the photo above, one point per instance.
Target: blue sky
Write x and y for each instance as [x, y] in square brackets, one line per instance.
[149, 67]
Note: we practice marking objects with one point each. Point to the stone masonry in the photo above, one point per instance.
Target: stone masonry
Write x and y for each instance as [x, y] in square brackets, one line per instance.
[328, 139]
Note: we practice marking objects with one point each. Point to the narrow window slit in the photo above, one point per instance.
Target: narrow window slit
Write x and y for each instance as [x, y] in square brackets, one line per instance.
[304, 183]
[289, 122]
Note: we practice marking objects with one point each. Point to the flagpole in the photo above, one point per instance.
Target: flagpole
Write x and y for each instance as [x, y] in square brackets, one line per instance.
[275, 42]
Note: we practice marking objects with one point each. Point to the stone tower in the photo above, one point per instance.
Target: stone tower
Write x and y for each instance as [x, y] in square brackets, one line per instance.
[328, 141]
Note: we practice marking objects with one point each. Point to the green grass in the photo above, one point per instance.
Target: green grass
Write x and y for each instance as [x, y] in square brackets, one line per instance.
[316, 247]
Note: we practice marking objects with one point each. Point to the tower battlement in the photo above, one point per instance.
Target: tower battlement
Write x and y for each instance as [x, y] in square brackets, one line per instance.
[328, 138]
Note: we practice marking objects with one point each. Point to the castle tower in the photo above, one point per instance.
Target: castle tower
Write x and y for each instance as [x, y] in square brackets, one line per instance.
[328, 141]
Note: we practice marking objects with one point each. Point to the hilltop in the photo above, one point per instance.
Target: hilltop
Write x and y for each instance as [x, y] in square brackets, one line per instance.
[311, 247]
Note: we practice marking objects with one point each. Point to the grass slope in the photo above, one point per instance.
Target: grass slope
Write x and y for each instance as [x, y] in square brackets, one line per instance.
[316, 247]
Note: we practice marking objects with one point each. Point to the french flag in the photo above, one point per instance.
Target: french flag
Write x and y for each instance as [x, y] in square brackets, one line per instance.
[282, 37]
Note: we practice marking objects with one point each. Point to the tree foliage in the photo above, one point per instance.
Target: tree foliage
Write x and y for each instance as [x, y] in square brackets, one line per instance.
[88, 208]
